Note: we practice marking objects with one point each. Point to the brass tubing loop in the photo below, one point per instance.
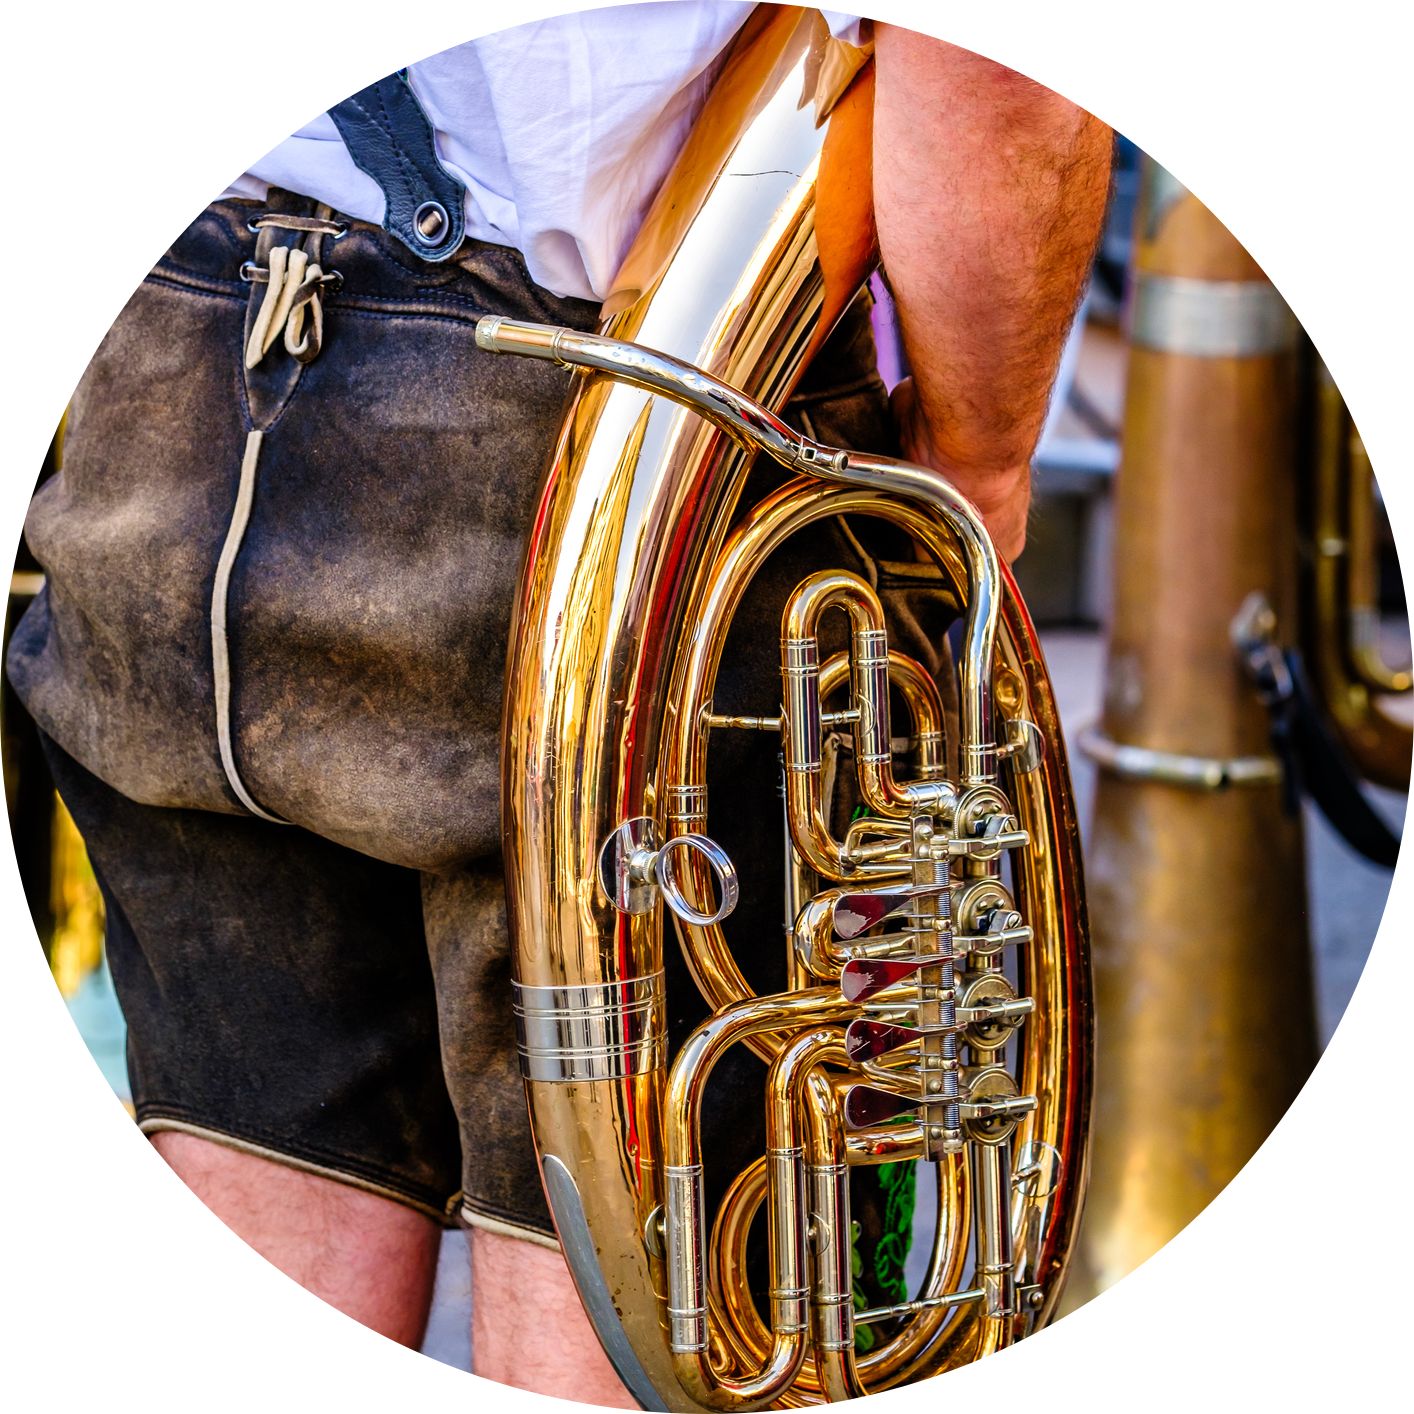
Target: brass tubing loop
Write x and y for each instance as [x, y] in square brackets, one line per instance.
[638, 560]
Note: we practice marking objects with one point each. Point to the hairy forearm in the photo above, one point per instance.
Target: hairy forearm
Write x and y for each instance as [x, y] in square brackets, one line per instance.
[989, 194]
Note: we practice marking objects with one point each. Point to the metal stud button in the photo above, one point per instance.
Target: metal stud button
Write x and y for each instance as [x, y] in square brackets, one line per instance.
[430, 223]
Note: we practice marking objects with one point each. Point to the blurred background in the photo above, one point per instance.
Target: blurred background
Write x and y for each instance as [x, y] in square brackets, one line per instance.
[1224, 618]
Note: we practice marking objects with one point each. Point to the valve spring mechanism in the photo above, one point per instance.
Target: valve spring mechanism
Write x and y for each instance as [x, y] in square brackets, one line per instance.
[931, 922]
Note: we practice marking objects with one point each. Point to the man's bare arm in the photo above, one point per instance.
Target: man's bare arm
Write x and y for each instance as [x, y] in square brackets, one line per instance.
[989, 192]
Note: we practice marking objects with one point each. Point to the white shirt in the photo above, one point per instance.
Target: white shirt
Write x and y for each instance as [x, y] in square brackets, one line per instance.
[561, 130]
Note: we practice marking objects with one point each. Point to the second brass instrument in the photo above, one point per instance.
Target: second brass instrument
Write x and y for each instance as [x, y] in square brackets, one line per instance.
[1340, 613]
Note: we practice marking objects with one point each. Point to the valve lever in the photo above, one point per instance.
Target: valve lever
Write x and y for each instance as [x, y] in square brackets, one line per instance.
[866, 1040]
[865, 1106]
[863, 977]
[858, 912]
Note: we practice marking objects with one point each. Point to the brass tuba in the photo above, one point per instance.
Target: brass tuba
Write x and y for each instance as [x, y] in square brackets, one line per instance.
[938, 1006]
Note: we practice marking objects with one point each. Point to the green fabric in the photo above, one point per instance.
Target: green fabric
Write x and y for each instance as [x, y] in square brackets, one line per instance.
[881, 1244]
[864, 1337]
[899, 1183]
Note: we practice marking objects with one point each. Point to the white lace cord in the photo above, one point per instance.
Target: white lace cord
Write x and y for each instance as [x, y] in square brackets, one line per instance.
[220, 648]
[293, 295]
[259, 342]
[294, 292]
[293, 276]
[309, 302]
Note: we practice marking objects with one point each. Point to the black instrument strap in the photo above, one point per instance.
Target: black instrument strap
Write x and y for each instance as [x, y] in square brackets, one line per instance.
[1314, 760]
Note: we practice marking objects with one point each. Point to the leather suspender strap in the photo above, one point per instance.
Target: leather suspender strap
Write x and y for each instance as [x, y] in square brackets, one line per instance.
[390, 138]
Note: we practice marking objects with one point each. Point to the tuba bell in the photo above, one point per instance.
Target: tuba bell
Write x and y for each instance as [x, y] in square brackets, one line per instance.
[937, 1003]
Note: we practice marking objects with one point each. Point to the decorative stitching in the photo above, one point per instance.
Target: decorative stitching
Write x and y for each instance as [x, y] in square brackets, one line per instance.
[236, 292]
[442, 317]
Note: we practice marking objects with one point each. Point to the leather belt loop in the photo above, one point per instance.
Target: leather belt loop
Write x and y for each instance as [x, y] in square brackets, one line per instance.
[390, 138]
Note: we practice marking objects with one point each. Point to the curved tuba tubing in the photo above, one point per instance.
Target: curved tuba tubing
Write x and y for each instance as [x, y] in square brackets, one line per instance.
[942, 1006]
[1340, 614]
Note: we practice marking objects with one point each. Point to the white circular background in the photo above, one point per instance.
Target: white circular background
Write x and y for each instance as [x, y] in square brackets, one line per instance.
[125, 119]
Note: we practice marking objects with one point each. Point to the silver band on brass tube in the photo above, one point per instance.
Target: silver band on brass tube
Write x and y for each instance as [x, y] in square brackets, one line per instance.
[1178, 314]
[687, 1298]
[928, 750]
[833, 1297]
[800, 668]
[992, 1200]
[601, 1032]
[871, 667]
[787, 1218]
[687, 808]
[1144, 763]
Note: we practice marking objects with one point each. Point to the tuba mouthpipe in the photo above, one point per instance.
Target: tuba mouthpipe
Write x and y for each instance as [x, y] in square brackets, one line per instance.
[757, 429]
[741, 418]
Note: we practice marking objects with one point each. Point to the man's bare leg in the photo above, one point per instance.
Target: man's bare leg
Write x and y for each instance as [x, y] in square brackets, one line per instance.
[528, 1328]
[372, 1258]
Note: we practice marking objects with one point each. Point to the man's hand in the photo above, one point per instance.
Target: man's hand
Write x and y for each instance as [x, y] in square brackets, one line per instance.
[1003, 496]
[989, 192]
